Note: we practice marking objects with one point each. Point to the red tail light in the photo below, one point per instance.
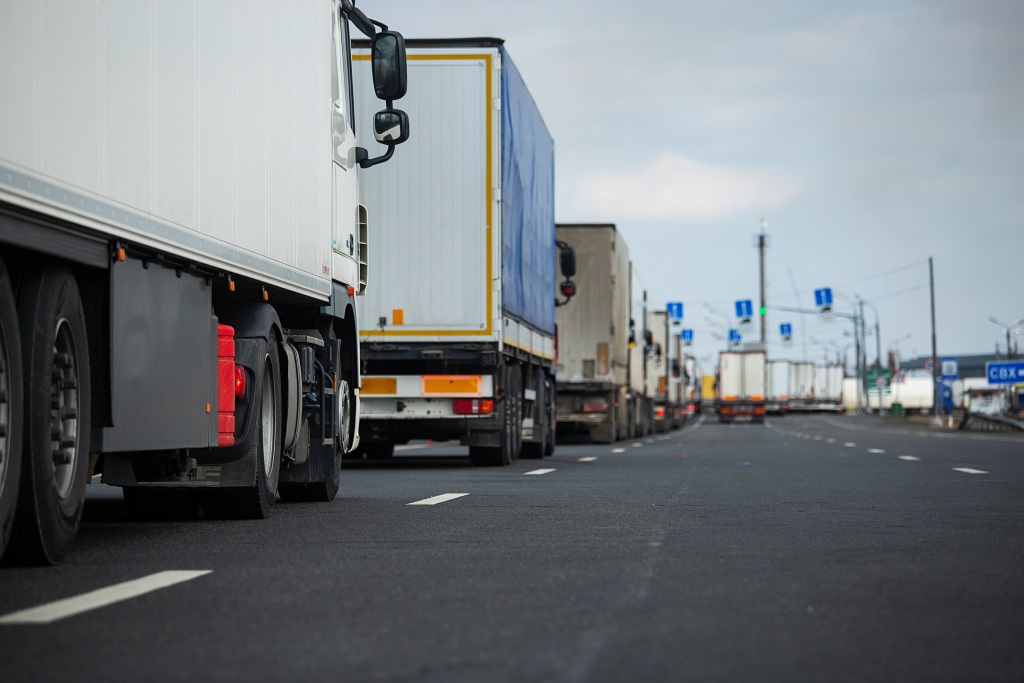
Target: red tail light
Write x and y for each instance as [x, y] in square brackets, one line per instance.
[472, 406]
[659, 412]
[239, 382]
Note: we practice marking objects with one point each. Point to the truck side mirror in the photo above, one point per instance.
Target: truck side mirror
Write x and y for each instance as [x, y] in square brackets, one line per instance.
[567, 258]
[390, 74]
[391, 127]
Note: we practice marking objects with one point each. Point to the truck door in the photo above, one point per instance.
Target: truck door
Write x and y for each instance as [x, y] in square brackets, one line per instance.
[343, 143]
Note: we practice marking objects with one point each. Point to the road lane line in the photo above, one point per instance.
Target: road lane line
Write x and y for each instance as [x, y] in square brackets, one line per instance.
[849, 444]
[543, 470]
[637, 445]
[69, 607]
[969, 470]
[912, 458]
[876, 450]
[589, 458]
[830, 440]
[618, 450]
[443, 498]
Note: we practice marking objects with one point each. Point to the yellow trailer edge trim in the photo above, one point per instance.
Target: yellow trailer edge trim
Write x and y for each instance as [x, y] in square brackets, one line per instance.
[488, 161]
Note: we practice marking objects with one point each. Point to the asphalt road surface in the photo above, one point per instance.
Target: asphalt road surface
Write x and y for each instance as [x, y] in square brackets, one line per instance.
[809, 548]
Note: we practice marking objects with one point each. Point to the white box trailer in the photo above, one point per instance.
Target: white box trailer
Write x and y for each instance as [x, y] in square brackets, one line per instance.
[828, 388]
[742, 385]
[183, 240]
[458, 338]
[801, 386]
[593, 336]
[661, 385]
[640, 404]
[777, 402]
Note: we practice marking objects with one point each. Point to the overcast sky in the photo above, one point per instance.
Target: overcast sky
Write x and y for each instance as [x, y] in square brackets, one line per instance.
[869, 135]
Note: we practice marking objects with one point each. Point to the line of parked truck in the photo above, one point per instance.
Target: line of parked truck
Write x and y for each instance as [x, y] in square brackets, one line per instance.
[748, 385]
[212, 289]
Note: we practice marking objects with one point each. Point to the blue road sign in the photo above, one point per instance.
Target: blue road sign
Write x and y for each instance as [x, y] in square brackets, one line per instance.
[734, 336]
[744, 309]
[687, 336]
[786, 330]
[949, 368]
[1005, 372]
[823, 297]
[675, 310]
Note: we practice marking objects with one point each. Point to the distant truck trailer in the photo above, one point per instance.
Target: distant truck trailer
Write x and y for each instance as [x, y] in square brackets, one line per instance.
[742, 378]
[777, 402]
[593, 337]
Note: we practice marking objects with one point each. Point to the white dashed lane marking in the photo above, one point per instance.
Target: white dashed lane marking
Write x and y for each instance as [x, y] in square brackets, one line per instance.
[589, 458]
[912, 458]
[618, 450]
[443, 498]
[876, 450]
[543, 470]
[969, 470]
[69, 607]
[850, 444]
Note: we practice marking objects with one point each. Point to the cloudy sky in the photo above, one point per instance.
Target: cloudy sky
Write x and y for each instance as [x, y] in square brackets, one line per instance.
[869, 135]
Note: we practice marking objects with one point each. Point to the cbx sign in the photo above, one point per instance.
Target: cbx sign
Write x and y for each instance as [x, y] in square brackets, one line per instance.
[1005, 372]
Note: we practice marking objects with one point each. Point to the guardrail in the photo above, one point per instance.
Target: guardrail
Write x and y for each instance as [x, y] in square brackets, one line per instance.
[990, 423]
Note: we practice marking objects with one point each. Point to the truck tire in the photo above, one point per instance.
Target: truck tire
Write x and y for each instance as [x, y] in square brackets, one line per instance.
[511, 426]
[549, 439]
[534, 449]
[154, 503]
[11, 417]
[257, 501]
[55, 463]
[322, 490]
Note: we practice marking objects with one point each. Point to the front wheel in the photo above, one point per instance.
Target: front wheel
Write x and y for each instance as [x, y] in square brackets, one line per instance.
[257, 500]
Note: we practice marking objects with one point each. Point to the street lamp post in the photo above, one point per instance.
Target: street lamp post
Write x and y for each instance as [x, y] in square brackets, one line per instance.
[1008, 329]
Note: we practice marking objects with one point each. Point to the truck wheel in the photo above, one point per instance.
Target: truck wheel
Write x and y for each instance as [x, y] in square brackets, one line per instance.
[150, 503]
[535, 448]
[511, 426]
[549, 438]
[56, 449]
[257, 501]
[11, 426]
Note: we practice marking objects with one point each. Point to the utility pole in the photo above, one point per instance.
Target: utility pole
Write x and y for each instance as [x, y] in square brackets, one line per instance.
[761, 244]
[935, 346]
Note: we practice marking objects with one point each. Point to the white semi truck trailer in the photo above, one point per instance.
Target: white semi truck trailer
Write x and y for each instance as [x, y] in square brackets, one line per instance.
[593, 337]
[458, 342]
[181, 247]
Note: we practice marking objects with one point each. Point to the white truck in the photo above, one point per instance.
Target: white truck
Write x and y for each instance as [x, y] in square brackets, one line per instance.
[663, 373]
[458, 342]
[801, 386]
[180, 254]
[593, 336]
[828, 388]
[777, 402]
[742, 385]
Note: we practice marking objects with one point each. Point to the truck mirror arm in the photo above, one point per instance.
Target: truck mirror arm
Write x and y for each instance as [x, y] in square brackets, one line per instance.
[364, 160]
